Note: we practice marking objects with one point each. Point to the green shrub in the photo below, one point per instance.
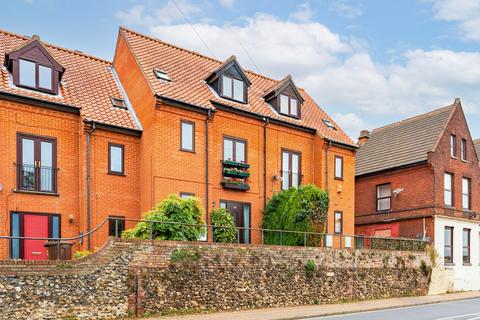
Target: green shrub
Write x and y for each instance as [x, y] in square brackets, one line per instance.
[301, 209]
[166, 213]
[82, 254]
[222, 218]
[184, 255]
[310, 268]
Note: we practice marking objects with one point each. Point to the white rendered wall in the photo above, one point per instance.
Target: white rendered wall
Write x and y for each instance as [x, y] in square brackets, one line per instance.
[466, 277]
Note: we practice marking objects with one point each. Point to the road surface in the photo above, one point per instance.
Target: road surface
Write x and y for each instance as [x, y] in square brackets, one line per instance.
[468, 309]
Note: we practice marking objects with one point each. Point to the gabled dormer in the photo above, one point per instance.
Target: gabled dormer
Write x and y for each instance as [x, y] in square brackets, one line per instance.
[33, 67]
[230, 81]
[285, 98]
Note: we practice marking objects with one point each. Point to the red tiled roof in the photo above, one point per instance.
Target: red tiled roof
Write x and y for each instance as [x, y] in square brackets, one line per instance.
[188, 71]
[87, 83]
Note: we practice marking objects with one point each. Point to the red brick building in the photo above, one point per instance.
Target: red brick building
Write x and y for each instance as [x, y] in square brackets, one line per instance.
[85, 139]
[419, 178]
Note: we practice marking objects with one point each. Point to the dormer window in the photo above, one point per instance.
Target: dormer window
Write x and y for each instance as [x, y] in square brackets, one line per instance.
[233, 88]
[285, 98]
[33, 67]
[288, 105]
[230, 81]
[34, 75]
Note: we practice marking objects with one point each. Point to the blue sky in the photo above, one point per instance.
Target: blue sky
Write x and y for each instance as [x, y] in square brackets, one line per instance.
[367, 63]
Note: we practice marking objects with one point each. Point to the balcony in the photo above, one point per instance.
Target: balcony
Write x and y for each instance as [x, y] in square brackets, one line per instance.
[32, 178]
[235, 175]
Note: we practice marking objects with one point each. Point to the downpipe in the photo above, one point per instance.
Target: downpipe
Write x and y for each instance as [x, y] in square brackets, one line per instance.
[89, 133]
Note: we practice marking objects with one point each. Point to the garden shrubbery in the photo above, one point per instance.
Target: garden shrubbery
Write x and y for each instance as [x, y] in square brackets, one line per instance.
[172, 209]
[301, 209]
[222, 218]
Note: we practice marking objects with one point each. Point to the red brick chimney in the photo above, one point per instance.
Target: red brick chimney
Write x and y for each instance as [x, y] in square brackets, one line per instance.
[364, 135]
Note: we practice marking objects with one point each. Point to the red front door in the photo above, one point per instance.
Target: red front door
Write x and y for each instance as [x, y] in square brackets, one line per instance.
[35, 226]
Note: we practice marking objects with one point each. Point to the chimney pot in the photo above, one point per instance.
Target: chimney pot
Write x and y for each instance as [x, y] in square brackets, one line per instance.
[364, 135]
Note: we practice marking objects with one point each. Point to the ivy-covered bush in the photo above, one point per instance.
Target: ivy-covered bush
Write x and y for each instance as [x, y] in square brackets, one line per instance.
[301, 209]
[172, 209]
[222, 218]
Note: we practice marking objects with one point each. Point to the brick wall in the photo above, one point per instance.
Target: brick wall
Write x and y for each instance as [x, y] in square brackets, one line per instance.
[145, 277]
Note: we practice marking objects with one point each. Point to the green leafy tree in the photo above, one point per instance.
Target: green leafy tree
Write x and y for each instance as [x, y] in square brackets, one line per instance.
[165, 214]
[222, 218]
[301, 209]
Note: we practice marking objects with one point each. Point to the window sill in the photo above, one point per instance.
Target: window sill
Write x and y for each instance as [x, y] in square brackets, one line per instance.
[117, 174]
[464, 161]
[449, 264]
[44, 193]
[337, 178]
[186, 150]
[455, 158]
[467, 264]
[384, 211]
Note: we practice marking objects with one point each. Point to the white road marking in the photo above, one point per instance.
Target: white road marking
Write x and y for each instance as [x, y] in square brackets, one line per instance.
[462, 316]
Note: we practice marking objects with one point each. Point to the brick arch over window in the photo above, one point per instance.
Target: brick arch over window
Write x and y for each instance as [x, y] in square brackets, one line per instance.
[43, 65]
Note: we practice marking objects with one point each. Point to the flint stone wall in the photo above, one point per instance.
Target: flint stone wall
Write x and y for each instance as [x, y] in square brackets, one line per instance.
[131, 277]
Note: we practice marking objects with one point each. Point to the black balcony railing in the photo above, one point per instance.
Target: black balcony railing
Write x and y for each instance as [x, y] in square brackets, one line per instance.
[36, 178]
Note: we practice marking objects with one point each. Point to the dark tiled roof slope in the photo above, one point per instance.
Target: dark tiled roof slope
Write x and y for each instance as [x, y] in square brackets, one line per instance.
[88, 83]
[402, 143]
[188, 71]
[476, 144]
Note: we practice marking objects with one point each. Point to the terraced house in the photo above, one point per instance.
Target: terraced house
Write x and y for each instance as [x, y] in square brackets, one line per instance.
[419, 178]
[84, 139]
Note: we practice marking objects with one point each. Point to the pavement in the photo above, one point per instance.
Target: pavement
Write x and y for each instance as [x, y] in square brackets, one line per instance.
[455, 306]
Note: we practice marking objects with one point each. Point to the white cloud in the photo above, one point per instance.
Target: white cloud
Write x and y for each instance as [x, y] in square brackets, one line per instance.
[170, 12]
[227, 3]
[351, 123]
[338, 71]
[303, 14]
[465, 12]
[345, 9]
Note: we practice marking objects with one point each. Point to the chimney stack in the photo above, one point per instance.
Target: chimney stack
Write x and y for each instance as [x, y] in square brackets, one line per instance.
[364, 135]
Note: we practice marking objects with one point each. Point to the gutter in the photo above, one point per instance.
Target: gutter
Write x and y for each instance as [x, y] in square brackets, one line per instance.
[39, 103]
[89, 133]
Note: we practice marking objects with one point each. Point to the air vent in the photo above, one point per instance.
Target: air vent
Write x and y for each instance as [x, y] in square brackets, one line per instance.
[162, 75]
[119, 103]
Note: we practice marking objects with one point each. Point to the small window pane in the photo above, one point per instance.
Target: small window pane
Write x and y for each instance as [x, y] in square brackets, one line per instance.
[338, 167]
[240, 151]
[465, 193]
[293, 107]
[285, 173]
[295, 170]
[453, 145]
[116, 225]
[55, 227]
[227, 86]
[27, 73]
[238, 90]
[384, 204]
[227, 149]
[15, 244]
[46, 168]
[116, 159]
[448, 189]
[338, 222]
[28, 164]
[246, 223]
[187, 136]
[45, 77]
[284, 104]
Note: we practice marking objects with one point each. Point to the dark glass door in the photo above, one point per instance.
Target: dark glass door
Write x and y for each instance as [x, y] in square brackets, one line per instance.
[241, 216]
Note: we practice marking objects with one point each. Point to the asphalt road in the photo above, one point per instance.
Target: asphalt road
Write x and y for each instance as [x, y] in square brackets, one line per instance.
[457, 310]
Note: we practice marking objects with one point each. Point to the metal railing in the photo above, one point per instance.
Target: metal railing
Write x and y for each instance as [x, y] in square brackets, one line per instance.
[280, 237]
[36, 178]
[204, 232]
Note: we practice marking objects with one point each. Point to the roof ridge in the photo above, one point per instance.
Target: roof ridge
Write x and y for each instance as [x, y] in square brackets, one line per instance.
[417, 117]
[51, 45]
[194, 52]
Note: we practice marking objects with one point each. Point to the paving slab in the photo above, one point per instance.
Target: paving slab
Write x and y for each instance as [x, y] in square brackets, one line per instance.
[311, 311]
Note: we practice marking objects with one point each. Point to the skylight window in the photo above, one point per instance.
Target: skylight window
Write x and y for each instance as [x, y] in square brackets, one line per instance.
[329, 124]
[162, 75]
[119, 103]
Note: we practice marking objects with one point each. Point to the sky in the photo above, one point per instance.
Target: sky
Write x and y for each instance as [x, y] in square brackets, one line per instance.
[367, 63]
